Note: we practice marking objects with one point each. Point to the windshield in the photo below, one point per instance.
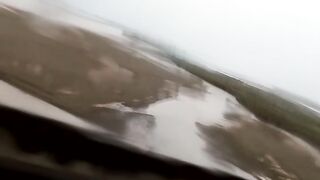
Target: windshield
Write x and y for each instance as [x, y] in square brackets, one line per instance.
[222, 85]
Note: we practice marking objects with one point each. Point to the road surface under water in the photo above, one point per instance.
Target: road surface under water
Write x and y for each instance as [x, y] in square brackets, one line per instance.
[104, 83]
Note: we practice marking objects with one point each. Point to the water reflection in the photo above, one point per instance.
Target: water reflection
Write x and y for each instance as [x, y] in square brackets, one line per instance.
[175, 133]
[83, 72]
[146, 102]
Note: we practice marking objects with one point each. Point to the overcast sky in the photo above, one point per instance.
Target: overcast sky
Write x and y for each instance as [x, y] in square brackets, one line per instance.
[274, 42]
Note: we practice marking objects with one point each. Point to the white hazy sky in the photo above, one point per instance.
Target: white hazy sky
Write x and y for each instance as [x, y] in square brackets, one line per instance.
[274, 42]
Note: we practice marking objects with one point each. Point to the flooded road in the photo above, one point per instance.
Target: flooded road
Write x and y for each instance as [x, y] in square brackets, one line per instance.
[73, 75]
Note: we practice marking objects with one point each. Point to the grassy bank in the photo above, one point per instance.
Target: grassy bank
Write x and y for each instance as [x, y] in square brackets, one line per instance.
[264, 103]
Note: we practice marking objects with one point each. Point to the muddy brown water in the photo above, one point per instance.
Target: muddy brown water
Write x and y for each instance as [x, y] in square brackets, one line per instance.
[72, 74]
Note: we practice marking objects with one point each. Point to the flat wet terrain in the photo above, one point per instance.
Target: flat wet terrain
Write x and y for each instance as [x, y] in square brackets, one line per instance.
[72, 74]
